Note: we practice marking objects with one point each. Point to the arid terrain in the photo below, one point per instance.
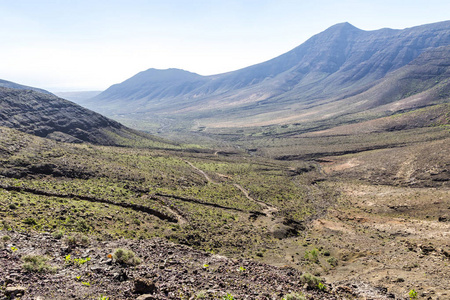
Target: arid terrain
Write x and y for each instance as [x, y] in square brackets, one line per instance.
[369, 225]
[323, 173]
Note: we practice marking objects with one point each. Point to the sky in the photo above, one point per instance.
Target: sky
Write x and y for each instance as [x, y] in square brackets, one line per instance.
[87, 45]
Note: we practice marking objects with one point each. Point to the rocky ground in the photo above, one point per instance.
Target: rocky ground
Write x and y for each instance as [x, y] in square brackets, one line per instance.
[165, 271]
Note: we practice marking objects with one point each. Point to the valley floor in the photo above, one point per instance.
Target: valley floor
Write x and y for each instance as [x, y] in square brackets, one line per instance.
[222, 225]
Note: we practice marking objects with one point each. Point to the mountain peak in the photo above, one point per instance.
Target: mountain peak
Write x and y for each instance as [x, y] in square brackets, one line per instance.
[171, 74]
[342, 27]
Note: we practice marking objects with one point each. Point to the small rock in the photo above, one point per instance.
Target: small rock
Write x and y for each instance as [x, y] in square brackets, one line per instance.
[146, 297]
[426, 248]
[121, 276]
[443, 219]
[145, 286]
[97, 269]
[390, 295]
[14, 291]
[342, 289]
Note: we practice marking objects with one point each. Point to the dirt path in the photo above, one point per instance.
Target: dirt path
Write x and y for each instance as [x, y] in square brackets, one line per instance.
[181, 220]
[268, 216]
[201, 172]
[267, 209]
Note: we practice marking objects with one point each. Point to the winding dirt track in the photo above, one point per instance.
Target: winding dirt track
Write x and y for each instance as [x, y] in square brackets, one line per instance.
[267, 209]
[201, 172]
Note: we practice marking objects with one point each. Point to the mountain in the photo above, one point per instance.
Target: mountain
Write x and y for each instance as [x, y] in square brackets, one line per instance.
[46, 115]
[339, 63]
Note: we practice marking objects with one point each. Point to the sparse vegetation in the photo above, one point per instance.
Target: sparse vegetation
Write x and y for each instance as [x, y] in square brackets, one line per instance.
[105, 193]
[126, 257]
[58, 234]
[332, 261]
[294, 296]
[228, 296]
[37, 263]
[77, 240]
[412, 294]
[311, 281]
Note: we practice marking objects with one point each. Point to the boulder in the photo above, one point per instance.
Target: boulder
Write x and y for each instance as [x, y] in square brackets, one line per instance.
[144, 286]
[15, 291]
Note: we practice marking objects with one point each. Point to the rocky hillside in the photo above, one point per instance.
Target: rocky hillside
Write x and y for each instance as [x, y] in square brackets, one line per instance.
[88, 269]
[339, 63]
[46, 115]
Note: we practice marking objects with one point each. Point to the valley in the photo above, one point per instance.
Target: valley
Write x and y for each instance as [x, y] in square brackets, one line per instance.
[372, 223]
[323, 173]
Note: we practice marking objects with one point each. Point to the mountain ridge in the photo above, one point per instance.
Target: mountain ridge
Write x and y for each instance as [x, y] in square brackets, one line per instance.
[342, 60]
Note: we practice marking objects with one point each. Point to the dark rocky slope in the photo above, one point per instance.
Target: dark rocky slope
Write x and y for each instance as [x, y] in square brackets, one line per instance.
[166, 271]
[46, 115]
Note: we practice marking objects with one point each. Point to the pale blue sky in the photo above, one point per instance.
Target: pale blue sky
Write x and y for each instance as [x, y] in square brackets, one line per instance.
[91, 44]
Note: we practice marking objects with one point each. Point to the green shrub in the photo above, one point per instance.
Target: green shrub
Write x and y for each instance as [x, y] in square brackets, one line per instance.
[228, 297]
[412, 294]
[126, 257]
[321, 286]
[310, 280]
[58, 234]
[6, 238]
[312, 255]
[77, 240]
[83, 226]
[332, 261]
[29, 221]
[201, 295]
[37, 263]
[294, 296]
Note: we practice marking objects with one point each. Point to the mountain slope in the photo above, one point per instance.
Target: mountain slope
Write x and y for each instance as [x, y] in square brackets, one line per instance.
[13, 85]
[338, 63]
[46, 115]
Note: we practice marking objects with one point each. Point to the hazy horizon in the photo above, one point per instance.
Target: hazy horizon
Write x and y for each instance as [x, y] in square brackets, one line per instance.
[90, 45]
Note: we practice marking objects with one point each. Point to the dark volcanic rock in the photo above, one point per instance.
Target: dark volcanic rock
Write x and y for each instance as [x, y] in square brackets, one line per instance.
[46, 115]
[183, 274]
[144, 286]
